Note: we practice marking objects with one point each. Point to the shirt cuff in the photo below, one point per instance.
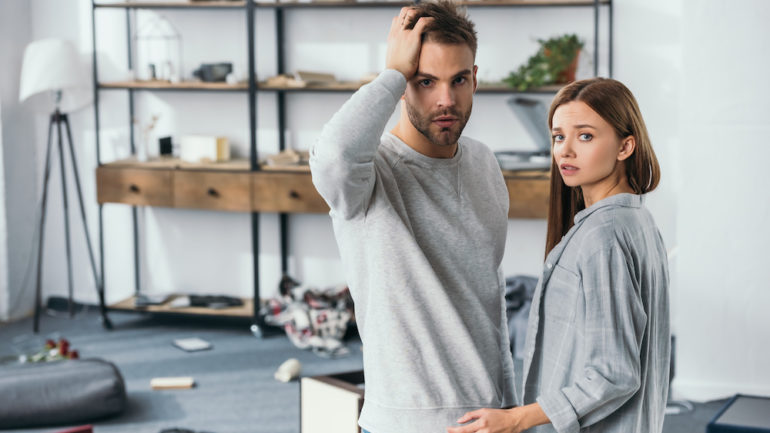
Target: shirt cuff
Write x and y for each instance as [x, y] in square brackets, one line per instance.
[560, 412]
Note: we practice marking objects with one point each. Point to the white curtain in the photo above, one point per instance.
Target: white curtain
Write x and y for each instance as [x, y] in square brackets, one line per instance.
[4, 295]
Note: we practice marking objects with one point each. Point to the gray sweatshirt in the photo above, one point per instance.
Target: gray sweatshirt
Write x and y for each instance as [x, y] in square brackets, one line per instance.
[421, 240]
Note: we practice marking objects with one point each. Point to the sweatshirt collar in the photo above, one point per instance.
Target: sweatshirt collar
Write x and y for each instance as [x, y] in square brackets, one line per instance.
[617, 200]
[407, 152]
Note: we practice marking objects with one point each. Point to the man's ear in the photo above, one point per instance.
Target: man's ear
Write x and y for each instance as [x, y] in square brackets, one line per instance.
[627, 148]
[475, 81]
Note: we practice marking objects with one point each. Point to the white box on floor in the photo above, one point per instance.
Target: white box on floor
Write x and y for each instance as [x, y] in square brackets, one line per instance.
[203, 148]
[331, 403]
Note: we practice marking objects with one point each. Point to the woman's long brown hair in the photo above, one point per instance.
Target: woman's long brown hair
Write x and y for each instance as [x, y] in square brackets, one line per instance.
[611, 100]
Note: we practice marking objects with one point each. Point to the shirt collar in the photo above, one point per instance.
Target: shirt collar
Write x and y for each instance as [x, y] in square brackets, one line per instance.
[617, 200]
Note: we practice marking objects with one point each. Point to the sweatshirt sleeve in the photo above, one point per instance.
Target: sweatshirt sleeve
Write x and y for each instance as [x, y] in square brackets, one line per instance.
[615, 322]
[342, 159]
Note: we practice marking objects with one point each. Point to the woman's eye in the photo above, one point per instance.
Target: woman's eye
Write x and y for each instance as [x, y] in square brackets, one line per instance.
[586, 136]
[425, 83]
[558, 137]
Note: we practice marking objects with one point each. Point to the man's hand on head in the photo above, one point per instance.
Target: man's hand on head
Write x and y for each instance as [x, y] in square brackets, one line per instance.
[404, 42]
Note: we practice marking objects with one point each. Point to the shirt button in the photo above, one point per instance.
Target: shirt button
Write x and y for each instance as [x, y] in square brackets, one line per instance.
[549, 265]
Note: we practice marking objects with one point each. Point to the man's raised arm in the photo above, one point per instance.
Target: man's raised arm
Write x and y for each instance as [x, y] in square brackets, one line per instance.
[342, 159]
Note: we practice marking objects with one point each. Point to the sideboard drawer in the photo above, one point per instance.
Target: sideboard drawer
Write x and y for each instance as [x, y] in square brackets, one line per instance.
[528, 197]
[286, 192]
[212, 190]
[140, 187]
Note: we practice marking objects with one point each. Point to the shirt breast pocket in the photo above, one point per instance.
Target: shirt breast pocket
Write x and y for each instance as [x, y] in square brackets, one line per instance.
[561, 295]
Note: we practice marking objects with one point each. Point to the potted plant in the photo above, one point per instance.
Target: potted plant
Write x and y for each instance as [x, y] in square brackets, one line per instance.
[554, 63]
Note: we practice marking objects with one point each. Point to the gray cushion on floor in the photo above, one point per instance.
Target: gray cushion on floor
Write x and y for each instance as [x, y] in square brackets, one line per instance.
[58, 393]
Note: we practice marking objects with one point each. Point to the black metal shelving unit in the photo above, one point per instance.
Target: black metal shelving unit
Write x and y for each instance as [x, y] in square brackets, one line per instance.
[258, 324]
[252, 88]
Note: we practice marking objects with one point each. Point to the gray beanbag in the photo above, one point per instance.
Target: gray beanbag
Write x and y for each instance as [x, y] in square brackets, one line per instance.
[58, 393]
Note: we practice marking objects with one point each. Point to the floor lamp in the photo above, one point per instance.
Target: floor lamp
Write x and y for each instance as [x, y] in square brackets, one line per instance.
[51, 68]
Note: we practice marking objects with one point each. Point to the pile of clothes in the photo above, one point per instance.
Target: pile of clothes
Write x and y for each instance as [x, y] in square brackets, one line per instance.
[312, 318]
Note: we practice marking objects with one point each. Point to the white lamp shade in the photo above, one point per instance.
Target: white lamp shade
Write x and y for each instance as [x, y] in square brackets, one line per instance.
[52, 65]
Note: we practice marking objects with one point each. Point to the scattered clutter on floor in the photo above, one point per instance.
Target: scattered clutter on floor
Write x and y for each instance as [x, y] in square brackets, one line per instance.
[181, 430]
[79, 429]
[288, 371]
[192, 344]
[51, 351]
[183, 382]
[216, 302]
[312, 318]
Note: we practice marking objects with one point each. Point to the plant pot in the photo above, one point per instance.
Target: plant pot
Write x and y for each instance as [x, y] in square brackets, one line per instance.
[568, 75]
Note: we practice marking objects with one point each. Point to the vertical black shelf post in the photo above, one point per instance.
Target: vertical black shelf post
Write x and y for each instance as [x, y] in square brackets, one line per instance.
[132, 143]
[106, 323]
[609, 38]
[281, 96]
[596, 38]
[258, 322]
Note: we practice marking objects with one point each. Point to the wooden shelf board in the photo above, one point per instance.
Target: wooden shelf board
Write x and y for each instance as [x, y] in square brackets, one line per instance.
[332, 4]
[504, 88]
[526, 174]
[394, 4]
[245, 310]
[532, 3]
[175, 163]
[341, 86]
[352, 86]
[173, 5]
[289, 168]
[165, 85]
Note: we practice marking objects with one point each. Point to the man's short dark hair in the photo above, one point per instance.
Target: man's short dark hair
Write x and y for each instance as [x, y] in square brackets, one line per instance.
[450, 23]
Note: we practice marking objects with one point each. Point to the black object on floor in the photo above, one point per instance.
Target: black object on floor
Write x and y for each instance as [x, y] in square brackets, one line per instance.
[742, 414]
[60, 393]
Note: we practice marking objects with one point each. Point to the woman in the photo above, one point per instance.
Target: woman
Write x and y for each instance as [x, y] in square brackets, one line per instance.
[598, 344]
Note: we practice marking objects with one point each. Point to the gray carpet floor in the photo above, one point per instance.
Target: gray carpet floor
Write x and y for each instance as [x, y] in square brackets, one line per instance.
[235, 390]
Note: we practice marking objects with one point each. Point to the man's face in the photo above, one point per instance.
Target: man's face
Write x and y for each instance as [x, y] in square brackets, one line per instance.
[439, 97]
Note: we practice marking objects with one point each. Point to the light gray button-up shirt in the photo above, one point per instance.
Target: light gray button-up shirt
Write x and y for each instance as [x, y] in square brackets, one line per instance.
[598, 341]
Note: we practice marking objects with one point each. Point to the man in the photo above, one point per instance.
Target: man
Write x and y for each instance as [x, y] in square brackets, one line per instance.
[420, 217]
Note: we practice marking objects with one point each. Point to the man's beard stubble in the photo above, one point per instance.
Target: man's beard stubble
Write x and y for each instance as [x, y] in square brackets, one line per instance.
[444, 136]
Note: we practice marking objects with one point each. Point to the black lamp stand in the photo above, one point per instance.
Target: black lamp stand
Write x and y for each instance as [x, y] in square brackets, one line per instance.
[58, 118]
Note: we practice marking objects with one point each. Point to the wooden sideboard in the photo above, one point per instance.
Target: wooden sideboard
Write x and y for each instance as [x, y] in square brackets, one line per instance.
[233, 187]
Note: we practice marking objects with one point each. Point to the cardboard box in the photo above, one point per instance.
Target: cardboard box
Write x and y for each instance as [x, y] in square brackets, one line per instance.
[331, 403]
[204, 149]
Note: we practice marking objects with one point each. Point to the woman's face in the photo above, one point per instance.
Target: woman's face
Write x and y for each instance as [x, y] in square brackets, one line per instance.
[586, 149]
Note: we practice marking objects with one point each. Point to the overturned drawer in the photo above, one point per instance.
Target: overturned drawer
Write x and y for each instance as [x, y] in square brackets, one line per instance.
[136, 186]
[212, 190]
[286, 192]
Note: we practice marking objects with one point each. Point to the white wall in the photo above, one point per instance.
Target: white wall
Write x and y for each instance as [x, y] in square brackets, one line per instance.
[18, 171]
[4, 294]
[723, 268]
[698, 77]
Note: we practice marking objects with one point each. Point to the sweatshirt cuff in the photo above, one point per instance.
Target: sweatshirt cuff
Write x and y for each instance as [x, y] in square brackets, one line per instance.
[560, 412]
[394, 81]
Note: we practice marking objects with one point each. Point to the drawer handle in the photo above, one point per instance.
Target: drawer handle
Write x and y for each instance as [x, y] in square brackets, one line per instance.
[293, 194]
[212, 192]
[133, 188]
